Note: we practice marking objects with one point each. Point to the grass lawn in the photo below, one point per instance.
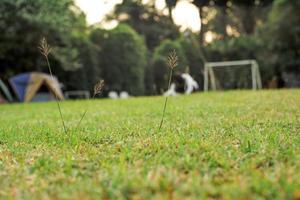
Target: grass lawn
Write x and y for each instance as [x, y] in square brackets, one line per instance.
[225, 145]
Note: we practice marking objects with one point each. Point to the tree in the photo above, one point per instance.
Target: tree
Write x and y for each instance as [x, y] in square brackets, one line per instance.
[86, 76]
[237, 16]
[222, 14]
[281, 35]
[200, 5]
[193, 54]
[25, 22]
[171, 4]
[159, 63]
[249, 13]
[146, 20]
[123, 57]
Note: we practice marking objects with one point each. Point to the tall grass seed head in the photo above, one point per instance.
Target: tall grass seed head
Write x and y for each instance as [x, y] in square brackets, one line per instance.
[98, 87]
[172, 59]
[44, 47]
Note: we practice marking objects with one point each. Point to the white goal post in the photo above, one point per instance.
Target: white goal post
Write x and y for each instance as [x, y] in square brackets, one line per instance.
[209, 75]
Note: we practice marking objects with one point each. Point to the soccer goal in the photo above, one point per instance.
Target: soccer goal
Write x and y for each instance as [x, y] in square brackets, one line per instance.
[211, 80]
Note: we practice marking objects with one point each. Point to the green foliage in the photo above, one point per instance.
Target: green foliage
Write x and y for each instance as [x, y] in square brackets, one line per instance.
[194, 55]
[252, 2]
[231, 17]
[240, 30]
[249, 15]
[123, 58]
[24, 22]
[281, 35]
[233, 145]
[147, 21]
[243, 47]
[159, 63]
[86, 76]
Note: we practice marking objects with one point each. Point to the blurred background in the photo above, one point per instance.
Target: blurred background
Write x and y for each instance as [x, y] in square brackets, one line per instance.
[126, 43]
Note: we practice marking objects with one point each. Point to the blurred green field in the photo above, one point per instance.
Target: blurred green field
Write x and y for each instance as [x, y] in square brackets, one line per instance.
[223, 145]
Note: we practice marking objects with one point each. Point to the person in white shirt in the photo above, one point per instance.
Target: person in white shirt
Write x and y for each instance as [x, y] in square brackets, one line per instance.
[190, 84]
[183, 83]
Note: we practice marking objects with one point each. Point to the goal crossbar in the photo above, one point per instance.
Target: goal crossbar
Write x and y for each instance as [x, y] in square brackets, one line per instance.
[209, 74]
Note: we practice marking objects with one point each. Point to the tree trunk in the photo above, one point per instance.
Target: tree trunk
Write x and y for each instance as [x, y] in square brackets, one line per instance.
[202, 31]
[170, 14]
[248, 20]
[223, 28]
[202, 35]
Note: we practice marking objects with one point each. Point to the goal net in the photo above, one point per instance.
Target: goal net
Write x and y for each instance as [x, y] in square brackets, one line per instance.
[242, 74]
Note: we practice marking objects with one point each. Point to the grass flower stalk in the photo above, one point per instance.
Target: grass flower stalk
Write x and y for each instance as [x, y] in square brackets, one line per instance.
[45, 50]
[172, 62]
[97, 90]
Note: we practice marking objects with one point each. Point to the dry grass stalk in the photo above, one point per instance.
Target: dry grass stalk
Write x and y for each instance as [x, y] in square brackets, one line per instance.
[44, 47]
[172, 63]
[97, 90]
[45, 50]
[172, 60]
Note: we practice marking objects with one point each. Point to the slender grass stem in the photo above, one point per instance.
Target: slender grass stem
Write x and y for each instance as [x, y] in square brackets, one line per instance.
[166, 99]
[97, 90]
[83, 115]
[56, 97]
[81, 118]
[45, 50]
[172, 62]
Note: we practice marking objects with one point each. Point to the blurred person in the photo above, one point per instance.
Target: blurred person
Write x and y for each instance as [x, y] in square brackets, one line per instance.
[183, 83]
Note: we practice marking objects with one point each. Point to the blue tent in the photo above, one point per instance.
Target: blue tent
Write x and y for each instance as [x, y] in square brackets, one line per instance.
[27, 85]
[5, 91]
[19, 84]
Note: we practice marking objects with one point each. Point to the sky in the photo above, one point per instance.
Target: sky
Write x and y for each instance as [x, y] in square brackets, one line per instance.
[185, 14]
